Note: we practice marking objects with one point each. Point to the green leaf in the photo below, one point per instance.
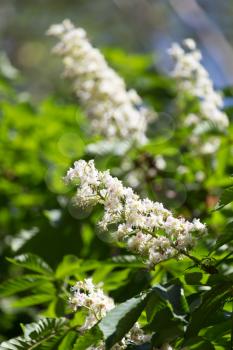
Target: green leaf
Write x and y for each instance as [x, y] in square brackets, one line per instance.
[32, 262]
[167, 327]
[225, 198]
[193, 278]
[120, 320]
[212, 301]
[19, 284]
[69, 265]
[154, 148]
[172, 297]
[68, 341]
[90, 337]
[116, 279]
[43, 326]
[156, 302]
[129, 261]
[218, 279]
[33, 300]
[177, 299]
[226, 236]
[198, 343]
[18, 343]
[43, 335]
[217, 331]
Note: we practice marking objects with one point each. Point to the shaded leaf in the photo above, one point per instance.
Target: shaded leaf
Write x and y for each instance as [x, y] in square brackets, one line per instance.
[90, 337]
[32, 262]
[156, 302]
[69, 265]
[225, 198]
[198, 343]
[43, 335]
[33, 300]
[126, 261]
[121, 319]
[167, 327]
[68, 341]
[177, 299]
[20, 284]
[212, 301]
[193, 278]
[226, 236]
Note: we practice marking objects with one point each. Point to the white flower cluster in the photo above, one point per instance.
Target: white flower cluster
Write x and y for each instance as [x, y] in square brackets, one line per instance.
[146, 227]
[90, 296]
[194, 80]
[114, 111]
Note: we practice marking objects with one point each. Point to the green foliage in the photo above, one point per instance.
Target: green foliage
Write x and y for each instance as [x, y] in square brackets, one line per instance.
[226, 197]
[19, 284]
[50, 245]
[121, 319]
[91, 337]
[45, 334]
[32, 262]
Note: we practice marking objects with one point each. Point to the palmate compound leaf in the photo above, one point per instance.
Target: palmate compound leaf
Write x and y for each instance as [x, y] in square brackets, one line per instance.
[32, 262]
[46, 334]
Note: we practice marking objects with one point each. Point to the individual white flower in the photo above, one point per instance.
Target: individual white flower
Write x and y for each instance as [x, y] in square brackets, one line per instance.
[114, 111]
[182, 169]
[200, 176]
[145, 227]
[191, 119]
[160, 163]
[190, 43]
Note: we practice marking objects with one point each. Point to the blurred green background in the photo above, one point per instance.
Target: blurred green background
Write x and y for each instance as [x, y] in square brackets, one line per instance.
[135, 25]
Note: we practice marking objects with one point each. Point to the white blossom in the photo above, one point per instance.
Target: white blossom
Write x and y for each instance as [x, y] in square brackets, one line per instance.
[85, 294]
[145, 227]
[200, 176]
[160, 162]
[89, 296]
[194, 80]
[114, 111]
